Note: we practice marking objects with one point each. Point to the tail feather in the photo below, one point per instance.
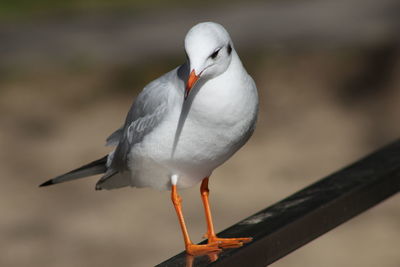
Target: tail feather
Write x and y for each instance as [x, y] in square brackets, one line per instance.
[95, 167]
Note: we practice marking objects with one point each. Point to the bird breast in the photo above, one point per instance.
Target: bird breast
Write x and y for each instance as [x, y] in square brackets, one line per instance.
[220, 120]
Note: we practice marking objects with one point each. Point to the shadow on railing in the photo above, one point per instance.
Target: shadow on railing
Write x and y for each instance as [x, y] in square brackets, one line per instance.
[307, 214]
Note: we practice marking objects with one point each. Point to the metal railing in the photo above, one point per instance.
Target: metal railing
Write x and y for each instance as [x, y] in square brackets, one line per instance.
[307, 214]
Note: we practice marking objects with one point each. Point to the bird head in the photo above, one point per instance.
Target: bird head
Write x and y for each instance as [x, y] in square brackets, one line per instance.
[209, 49]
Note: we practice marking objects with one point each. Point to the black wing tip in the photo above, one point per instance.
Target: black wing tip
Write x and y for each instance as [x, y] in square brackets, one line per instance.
[47, 183]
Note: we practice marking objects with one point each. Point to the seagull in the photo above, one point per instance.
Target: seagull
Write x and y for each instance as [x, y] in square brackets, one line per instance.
[181, 127]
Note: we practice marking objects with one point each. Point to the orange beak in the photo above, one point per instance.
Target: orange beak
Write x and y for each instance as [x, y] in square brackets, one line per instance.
[190, 83]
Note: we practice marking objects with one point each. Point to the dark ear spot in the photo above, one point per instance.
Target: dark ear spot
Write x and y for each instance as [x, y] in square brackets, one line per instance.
[229, 49]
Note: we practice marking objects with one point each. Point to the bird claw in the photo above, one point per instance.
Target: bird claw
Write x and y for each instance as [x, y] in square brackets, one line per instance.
[229, 242]
[199, 250]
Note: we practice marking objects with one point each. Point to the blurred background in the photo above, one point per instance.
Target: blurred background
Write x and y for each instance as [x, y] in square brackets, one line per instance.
[328, 74]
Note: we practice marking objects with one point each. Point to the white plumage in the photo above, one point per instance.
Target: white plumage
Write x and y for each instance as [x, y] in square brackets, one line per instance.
[170, 136]
[167, 134]
[174, 135]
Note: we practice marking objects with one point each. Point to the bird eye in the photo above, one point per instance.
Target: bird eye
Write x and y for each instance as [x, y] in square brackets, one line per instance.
[215, 54]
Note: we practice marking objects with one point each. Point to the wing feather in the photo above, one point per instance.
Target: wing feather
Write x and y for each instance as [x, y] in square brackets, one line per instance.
[146, 113]
[114, 138]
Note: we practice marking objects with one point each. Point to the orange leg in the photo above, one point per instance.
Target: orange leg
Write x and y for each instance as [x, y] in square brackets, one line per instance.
[191, 248]
[212, 237]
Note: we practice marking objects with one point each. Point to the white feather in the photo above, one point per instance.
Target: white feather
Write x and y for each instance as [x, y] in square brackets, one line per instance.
[168, 137]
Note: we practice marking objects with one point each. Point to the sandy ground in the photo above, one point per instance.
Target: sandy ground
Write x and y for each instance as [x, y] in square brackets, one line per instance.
[307, 129]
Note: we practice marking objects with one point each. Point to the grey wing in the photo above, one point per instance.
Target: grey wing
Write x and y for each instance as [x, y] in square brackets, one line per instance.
[142, 105]
[114, 138]
[146, 113]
